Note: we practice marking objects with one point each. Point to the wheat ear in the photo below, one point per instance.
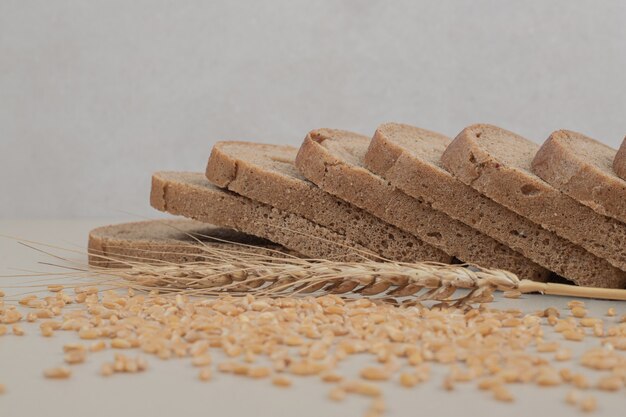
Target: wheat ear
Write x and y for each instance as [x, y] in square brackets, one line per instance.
[421, 281]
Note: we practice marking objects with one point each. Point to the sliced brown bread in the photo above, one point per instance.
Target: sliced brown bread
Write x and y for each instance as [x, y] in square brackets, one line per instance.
[191, 195]
[619, 162]
[497, 163]
[333, 159]
[175, 241]
[266, 173]
[409, 158]
[581, 167]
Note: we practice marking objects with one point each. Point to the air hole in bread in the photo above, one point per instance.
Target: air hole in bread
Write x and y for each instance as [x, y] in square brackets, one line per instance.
[472, 158]
[436, 235]
[529, 189]
[281, 159]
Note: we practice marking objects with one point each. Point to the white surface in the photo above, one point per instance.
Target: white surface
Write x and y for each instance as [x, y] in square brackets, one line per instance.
[170, 388]
[95, 95]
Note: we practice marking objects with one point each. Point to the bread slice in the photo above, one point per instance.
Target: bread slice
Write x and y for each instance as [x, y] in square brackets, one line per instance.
[170, 241]
[619, 162]
[191, 195]
[409, 158]
[267, 174]
[333, 159]
[497, 163]
[581, 167]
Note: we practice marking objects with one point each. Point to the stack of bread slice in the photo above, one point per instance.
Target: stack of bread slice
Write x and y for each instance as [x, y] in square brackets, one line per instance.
[489, 197]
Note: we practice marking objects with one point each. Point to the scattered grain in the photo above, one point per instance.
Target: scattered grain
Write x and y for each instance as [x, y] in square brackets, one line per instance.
[46, 331]
[563, 354]
[88, 333]
[580, 381]
[18, 330]
[259, 372]
[311, 335]
[589, 404]
[281, 381]
[330, 376]
[337, 394]
[75, 356]
[205, 374]
[573, 335]
[548, 377]
[501, 393]
[575, 304]
[202, 360]
[547, 347]
[107, 369]
[118, 343]
[362, 388]
[97, 346]
[448, 383]
[579, 312]
[408, 380]
[374, 373]
[610, 383]
[240, 368]
[572, 397]
[57, 373]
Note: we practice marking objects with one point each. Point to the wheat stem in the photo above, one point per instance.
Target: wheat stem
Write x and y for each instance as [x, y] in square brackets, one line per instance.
[552, 288]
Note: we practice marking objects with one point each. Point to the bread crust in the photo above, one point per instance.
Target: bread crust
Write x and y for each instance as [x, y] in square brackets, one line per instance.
[497, 163]
[409, 158]
[167, 241]
[267, 174]
[581, 167]
[619, 162]
[333, 160]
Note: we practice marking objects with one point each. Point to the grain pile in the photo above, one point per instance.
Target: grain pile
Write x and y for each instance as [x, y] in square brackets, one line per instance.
[281, 340]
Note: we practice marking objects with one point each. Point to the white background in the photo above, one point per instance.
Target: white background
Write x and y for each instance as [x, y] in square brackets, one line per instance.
[95, 95]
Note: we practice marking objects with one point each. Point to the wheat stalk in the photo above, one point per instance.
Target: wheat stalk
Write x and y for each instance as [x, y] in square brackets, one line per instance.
[225, 271]
[246, 272]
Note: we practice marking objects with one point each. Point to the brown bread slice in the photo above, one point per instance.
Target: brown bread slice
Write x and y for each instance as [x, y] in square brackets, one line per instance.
[170, 241]
[581, 167]
[409, 158]
[497, 163]
[333, 159]
[266, 173]
[619, 162]
[191, 195]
